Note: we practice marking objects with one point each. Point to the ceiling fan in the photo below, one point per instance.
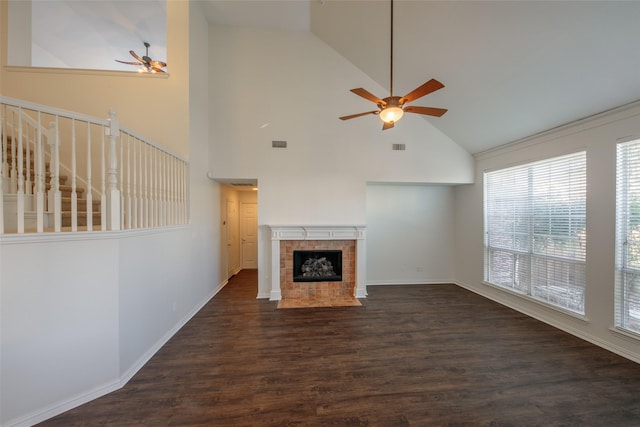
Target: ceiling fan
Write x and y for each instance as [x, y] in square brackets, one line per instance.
[391, 108]
[147, 64]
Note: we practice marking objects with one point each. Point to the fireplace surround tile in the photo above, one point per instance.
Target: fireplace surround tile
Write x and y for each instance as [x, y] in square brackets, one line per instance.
[349, 239]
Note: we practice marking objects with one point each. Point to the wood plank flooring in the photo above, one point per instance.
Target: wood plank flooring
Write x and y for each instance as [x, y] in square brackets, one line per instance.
[433, 355]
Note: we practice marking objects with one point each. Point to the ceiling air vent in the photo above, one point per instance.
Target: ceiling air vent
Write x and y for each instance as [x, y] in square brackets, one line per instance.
[398, 147]
[279, 144]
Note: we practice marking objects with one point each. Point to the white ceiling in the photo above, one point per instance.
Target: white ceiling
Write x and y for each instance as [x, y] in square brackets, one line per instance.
[511, 68]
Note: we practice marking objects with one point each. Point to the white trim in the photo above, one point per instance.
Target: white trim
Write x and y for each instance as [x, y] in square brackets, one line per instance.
[411, 282]
[543, 303]
[80, 399]
[69, 236]
[607, 345]
[317, 232]
[84, 71]
[593, 121]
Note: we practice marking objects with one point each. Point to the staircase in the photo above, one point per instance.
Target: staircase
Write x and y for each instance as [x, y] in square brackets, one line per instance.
[112, 178]
[66, 192]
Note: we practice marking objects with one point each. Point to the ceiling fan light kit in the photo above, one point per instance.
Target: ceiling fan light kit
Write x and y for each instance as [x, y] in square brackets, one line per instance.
[391, 114]
[392, 108]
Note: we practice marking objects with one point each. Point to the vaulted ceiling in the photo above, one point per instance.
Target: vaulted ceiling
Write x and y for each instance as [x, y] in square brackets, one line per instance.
[93, 34]
[511, 68]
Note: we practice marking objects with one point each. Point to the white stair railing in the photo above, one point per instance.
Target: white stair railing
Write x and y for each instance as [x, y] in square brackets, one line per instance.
[53, 190]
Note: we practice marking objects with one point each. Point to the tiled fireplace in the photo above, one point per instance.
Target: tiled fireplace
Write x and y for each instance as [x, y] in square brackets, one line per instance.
[316, 241]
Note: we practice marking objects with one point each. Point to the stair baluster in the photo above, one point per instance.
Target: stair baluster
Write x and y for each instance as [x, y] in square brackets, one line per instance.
[3, 132]
[27, 172]
[103, 183]
[74, 194]
[55, 197]
[161, 194]
[40, 176]
[185, 201]
[140, 187]
[127, 188]
[20, 192]
[114, 196]
[13, 179]
[151, 188]
[89, 192]
[3, 165]
[174, 190]
[132, 181]
[145, 197]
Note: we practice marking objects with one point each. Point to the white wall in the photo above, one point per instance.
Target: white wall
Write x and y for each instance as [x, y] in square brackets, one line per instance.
[410, 233]
[19, 30]
[275, 85]
[81, 313]
[58, 323]
[599, 137]
[153, 271]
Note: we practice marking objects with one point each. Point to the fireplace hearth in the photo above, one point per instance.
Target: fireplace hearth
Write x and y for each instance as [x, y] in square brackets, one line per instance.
[317, 266]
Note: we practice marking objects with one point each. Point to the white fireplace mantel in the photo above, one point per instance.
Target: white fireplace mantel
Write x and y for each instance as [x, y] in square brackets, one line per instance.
[318, 232]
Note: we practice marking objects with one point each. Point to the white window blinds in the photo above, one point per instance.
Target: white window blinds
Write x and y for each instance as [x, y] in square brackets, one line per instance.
[628, 236]
[535, 219]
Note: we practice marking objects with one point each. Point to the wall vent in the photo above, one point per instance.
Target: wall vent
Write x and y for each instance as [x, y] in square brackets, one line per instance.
[279, 144]
[398, 147]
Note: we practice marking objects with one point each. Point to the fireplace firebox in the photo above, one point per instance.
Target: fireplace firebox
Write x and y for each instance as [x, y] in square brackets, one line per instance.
[317, 266]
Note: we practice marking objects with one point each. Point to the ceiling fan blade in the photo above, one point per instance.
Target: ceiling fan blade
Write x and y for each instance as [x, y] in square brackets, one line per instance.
[129, 63]
[136, 56]
[386, 125]
[367, 95]
[157, 70]
[429, 111]
[430, 86]
[157, 64]
[353, 116]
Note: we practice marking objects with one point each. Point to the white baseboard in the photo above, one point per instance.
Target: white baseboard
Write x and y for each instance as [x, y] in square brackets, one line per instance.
[80, 399]
[607, 345]
[166, 337]
[410, 282]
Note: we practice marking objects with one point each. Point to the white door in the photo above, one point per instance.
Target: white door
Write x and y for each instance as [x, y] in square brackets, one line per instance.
[249, 232]
[233, 250]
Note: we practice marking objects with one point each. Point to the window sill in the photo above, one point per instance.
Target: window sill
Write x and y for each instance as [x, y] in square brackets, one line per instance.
[541, 303]
[626, 333]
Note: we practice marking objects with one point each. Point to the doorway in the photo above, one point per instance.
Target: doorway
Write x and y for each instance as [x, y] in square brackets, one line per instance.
[233, 252]
[239, 211]
[249, 235]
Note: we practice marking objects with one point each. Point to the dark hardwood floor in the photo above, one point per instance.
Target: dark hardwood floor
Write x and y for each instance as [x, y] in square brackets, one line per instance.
[410, 356]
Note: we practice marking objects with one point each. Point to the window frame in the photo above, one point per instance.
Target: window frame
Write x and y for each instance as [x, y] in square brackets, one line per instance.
[624, 220]
[524, 278]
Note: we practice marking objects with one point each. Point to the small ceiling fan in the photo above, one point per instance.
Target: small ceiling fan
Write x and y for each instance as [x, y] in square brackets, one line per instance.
[391, 108]
[147, 64]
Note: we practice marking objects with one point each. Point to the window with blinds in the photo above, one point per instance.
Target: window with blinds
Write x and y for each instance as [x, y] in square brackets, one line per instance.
[628, 236]
[535, 222]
